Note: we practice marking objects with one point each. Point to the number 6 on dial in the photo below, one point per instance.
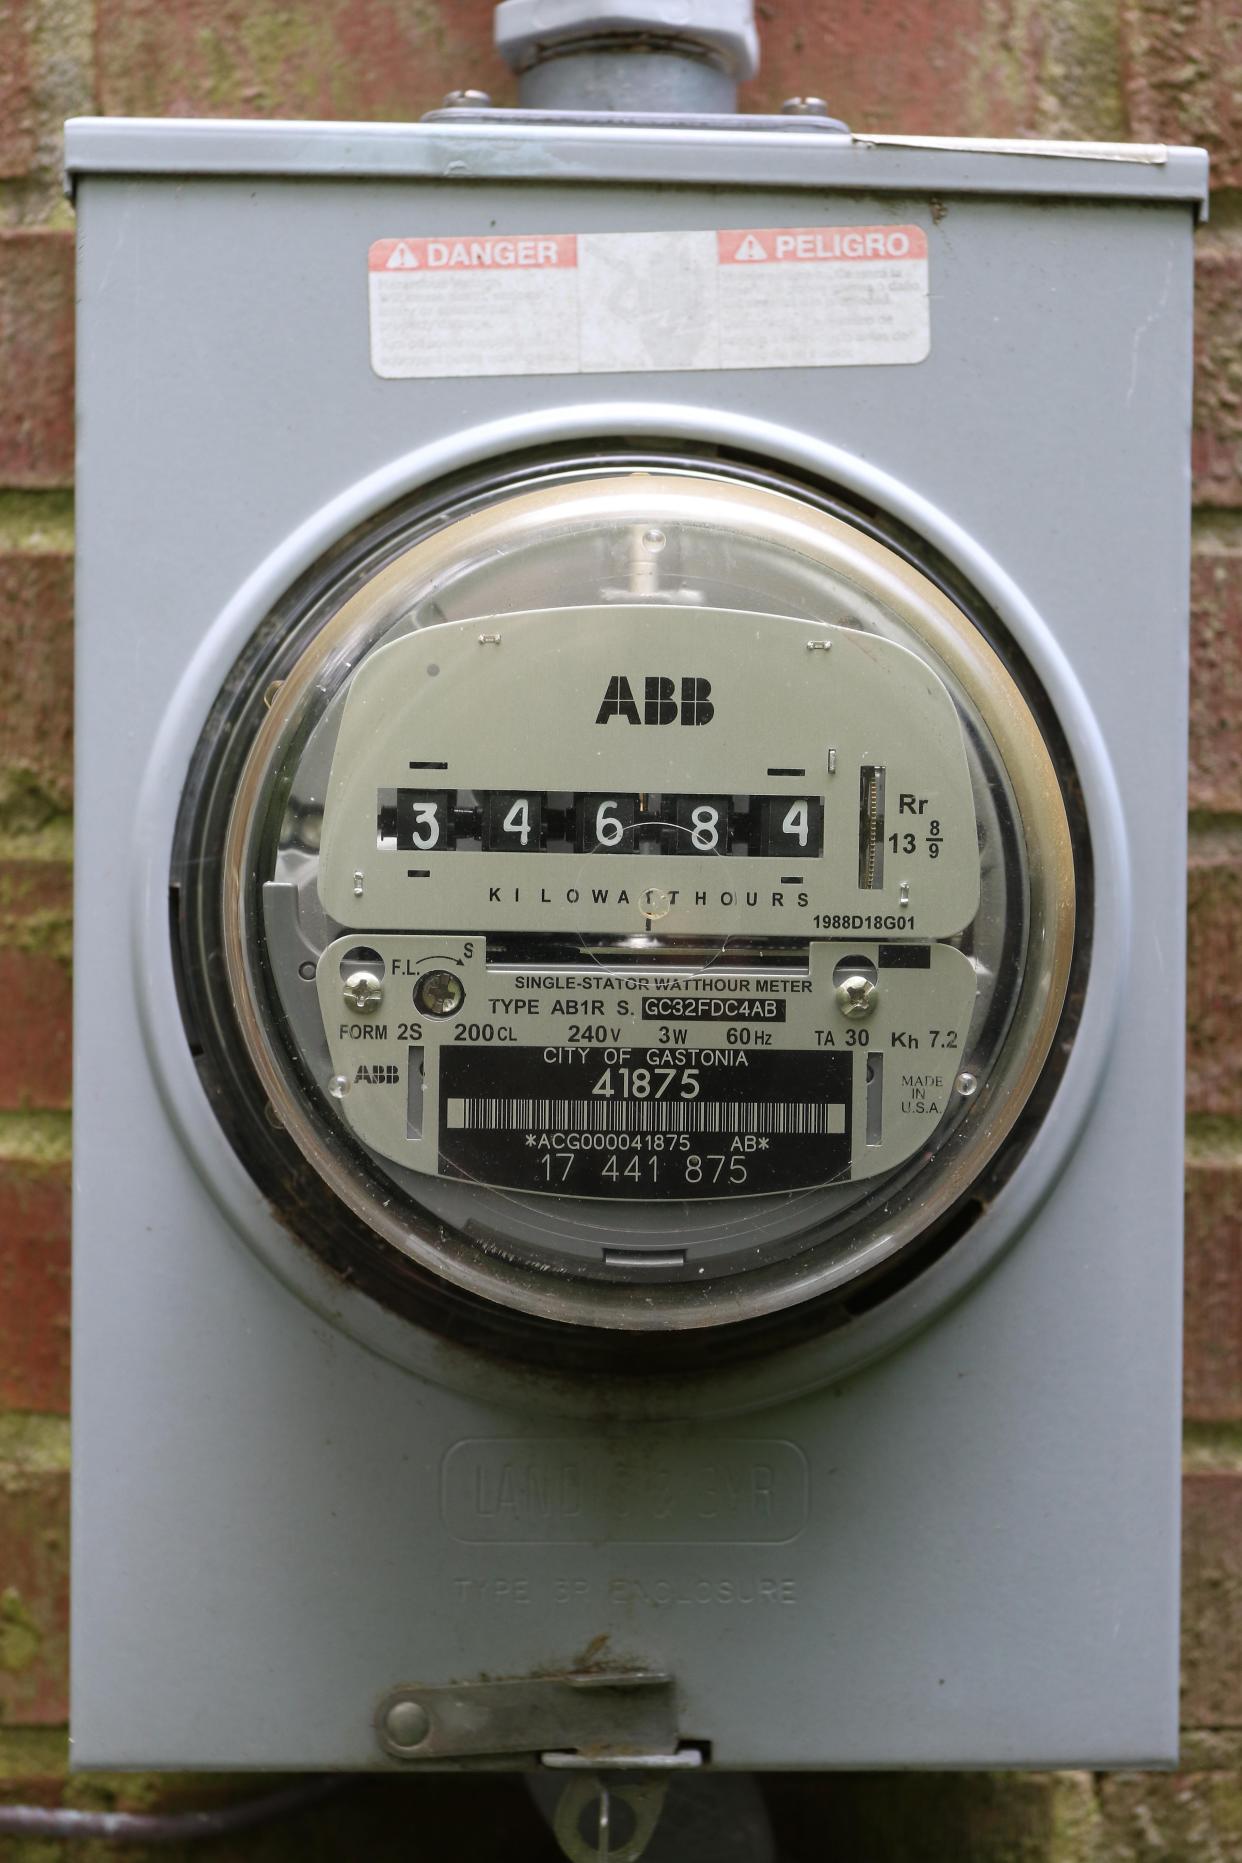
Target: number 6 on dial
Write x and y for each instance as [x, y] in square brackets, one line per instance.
[605, 824]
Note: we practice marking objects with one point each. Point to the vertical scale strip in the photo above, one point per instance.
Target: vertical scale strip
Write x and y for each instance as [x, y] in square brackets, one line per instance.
[871, 826]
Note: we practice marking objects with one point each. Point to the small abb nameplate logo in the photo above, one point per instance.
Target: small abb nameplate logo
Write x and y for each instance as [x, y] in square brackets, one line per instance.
[616, 303]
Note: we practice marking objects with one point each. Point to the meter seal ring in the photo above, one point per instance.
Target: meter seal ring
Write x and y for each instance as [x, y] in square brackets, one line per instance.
[293, 1107]
[250, 757]
[810, 1363]
[251, 754]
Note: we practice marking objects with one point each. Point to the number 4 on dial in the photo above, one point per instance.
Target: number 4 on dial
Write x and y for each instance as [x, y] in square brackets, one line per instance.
[789, 825]
[513, 822]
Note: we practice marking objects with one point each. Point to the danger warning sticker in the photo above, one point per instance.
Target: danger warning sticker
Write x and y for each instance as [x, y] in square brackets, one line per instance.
[800, 245]
[472, 255]
[612, 303]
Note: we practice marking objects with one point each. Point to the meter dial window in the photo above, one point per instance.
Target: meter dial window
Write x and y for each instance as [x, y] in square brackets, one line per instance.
[719, 901]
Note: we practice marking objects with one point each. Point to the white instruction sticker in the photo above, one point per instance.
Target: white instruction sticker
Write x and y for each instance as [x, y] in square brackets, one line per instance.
[607, 303]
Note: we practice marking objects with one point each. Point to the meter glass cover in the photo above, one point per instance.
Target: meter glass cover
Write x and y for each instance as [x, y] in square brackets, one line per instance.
[647, 899]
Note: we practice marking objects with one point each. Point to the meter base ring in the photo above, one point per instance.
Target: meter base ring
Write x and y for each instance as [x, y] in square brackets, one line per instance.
[355, 1254]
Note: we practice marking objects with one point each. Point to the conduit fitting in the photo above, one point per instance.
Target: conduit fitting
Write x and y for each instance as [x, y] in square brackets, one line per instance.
[629, 55]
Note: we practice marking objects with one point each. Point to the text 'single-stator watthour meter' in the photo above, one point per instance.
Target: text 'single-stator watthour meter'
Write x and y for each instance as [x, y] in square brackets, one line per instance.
[631, 780]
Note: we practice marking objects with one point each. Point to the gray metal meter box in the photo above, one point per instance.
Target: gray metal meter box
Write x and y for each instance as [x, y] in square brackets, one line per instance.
[630, 982]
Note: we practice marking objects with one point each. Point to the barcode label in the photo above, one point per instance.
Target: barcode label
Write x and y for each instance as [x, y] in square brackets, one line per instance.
[707, 1116]
[528, 1118]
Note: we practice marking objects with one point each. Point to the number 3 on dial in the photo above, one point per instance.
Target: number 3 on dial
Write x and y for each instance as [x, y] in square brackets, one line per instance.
[424, 819]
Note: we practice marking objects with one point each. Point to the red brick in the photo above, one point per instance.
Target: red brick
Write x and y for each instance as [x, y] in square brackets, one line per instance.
[34, 1783]
[34, 1596]
[34, 1287]
[1213, 1362]
[965, 65]
[904, 74]
[1182, 76]
[35, 985]
[362, 59]
[36, 358]
[1212, 1600]
[1216, 678]
[1178, 1817]
[17, 100]
[957, 67]
[36, 676]
[1214, 993]
[1217, 437]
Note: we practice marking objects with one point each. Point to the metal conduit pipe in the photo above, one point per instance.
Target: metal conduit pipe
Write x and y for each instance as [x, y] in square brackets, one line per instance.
[667, 56]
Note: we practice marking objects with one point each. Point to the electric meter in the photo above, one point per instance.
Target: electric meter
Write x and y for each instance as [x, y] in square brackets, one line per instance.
[646, 898]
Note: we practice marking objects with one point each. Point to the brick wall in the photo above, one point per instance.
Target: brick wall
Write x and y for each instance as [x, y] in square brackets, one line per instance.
[1146, 69]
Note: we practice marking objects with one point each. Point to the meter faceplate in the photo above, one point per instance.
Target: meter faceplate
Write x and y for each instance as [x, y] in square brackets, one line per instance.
[545, 799]
[695, 1083]
[690, 770]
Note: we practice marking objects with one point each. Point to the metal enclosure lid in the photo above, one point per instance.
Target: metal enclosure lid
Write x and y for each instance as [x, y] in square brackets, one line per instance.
[805, 155]
[972, 1553]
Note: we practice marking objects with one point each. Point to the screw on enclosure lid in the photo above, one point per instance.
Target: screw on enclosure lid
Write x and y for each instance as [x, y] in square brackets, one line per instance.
[524, 28]
[406, 1725]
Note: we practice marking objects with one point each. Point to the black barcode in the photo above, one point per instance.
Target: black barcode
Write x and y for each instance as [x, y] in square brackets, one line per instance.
[765, 1116]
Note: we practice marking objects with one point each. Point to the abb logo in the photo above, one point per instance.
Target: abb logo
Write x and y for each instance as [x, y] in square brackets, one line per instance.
[661, 705]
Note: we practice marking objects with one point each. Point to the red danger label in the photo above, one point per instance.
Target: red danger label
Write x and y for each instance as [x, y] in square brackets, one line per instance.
[496, 252]
[775, 297]
[801, 245]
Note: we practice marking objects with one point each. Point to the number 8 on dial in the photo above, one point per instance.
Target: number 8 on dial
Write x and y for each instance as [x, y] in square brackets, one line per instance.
[702, 825]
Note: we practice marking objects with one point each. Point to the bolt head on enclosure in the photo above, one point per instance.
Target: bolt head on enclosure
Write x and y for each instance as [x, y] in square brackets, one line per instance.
[406, 1725]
